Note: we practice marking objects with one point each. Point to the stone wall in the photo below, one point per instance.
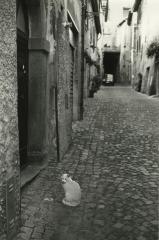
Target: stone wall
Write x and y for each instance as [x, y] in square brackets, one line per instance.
[63, 86]
[54, 65]
[9, 157]
[49, 69]
[53, 10]
[67, 112]
[74, 16]
[125, 54]
[145, 30]
[91, 50]
[64, 110]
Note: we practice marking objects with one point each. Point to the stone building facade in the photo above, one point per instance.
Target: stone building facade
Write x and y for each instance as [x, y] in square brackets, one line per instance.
[142, 25]
[123, 41]
[145, 30]
[92, 31]
[39, 83]
[69, 72]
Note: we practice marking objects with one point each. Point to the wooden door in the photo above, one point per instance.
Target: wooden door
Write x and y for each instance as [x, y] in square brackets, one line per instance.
[22, 72]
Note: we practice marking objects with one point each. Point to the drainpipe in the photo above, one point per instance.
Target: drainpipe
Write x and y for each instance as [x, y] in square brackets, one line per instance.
[83, 10]
[56, 105]
[57, 125]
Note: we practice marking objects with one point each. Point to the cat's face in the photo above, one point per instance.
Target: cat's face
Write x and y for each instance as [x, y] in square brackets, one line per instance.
[64, 177]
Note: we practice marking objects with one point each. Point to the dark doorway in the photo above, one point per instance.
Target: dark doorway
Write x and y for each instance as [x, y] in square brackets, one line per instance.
[22, 75]
[139, 85]
[145, 83]
[157, 76]
[22, 65]
[111, 64]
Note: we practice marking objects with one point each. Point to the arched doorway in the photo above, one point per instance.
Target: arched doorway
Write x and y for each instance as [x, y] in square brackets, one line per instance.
[22, 73]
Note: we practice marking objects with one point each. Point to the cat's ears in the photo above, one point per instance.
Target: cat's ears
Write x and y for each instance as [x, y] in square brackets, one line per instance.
[65, 176]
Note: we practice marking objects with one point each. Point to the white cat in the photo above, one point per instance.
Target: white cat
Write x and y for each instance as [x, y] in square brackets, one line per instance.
[72, 191]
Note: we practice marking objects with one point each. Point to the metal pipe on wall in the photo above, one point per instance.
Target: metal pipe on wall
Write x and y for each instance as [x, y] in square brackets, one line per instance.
[83, 5]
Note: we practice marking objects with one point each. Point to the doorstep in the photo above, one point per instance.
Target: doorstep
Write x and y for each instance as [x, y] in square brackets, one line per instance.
[154, 96]
[31, 171]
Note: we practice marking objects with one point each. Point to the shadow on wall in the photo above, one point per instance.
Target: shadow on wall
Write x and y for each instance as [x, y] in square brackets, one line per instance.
[150, 87]
[139, 82]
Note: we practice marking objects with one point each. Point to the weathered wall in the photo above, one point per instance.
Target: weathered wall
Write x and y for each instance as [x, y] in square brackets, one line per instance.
[87, 79]
[49, 65]
[147, 29]
[9, 157]
[63, 101]
[53, 9]
[91, 50]
[74, 16]
[54, 65]
[77, 75]
[125, 53]
[100, 41]
[66, 111]
[38, 93]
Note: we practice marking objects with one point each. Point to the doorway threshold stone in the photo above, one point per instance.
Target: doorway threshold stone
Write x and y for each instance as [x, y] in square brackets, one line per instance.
[30, 172]
[154, 96]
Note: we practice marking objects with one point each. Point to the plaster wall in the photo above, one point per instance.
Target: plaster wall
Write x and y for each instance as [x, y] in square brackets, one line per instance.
[91, 48]
[147, 29]
[124, 40]
[9, 144]
[66, 112]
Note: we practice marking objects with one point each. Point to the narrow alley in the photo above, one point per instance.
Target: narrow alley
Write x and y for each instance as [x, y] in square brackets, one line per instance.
[113, 156]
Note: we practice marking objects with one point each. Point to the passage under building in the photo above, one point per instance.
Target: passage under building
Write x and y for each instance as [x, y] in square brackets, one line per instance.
[111, 57]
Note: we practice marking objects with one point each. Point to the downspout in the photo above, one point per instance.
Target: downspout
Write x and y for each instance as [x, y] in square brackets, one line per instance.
[57, 125]
[83, 10]
[56, 105]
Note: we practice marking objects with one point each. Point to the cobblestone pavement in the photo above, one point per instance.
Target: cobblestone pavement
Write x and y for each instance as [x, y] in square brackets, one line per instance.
[114, 158]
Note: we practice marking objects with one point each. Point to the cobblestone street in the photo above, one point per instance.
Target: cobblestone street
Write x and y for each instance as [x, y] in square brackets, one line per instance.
[114, 158]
